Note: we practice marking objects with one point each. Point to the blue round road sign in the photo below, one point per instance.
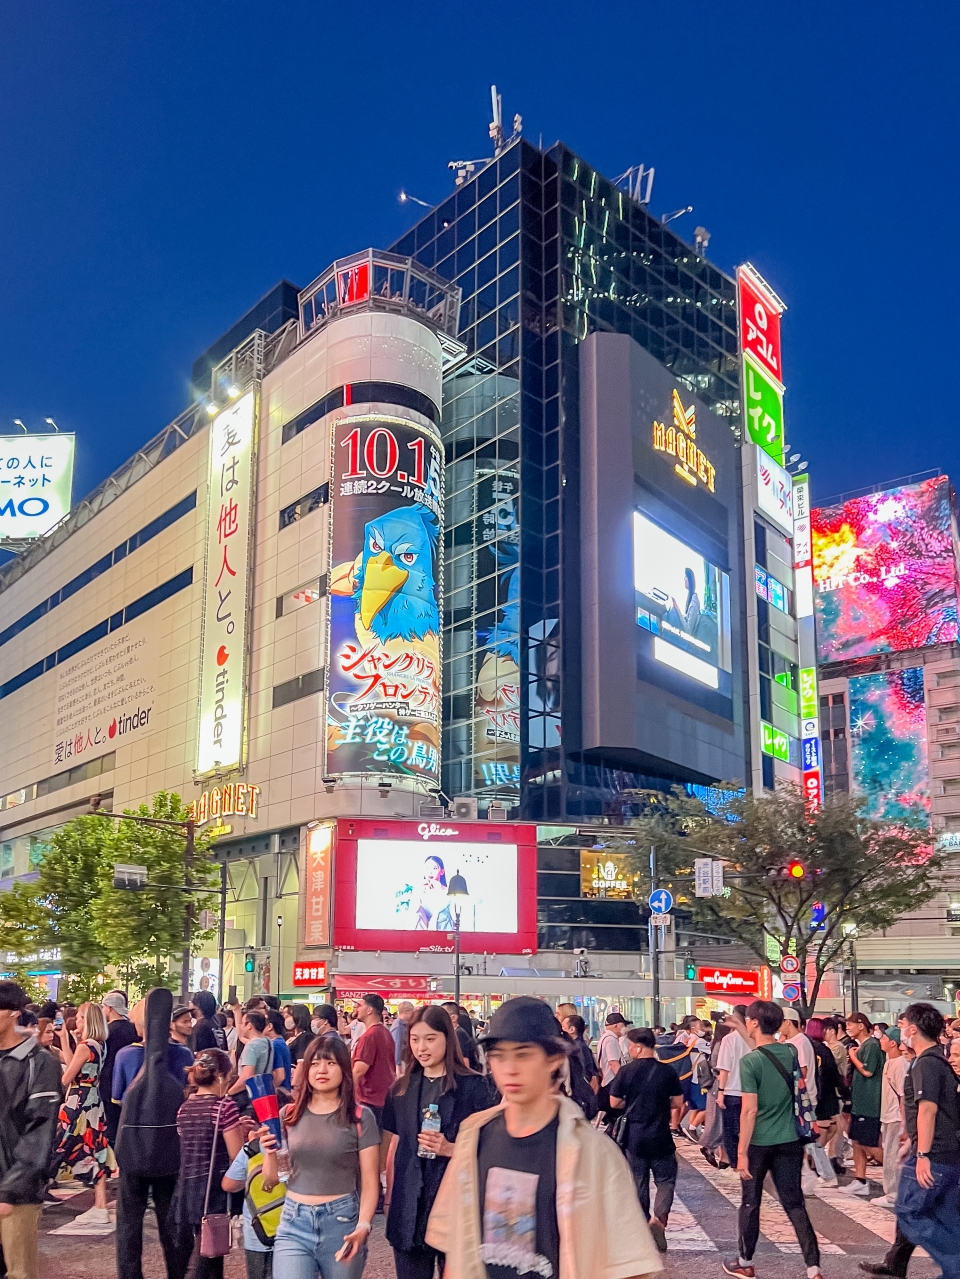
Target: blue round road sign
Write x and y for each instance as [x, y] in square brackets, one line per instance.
[661, 902]
[791, 993]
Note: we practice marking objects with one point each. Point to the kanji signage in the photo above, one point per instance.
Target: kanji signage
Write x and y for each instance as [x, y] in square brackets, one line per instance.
[315, 878]
[760, 313]
[383, 695]
[310, 973]
[36, 483]
[222, 657]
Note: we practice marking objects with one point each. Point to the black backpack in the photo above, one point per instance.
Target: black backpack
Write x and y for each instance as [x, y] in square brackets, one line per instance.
[148, 1144]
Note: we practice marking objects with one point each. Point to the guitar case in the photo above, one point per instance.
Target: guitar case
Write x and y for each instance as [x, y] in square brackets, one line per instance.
[148, 1144]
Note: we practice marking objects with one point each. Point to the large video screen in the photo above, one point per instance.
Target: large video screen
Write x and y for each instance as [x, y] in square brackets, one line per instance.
[885, 571]
[402, 886]
[888, 743]
[684, 600]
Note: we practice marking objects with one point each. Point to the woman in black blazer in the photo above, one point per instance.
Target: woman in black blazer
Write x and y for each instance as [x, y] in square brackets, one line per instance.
[436, 1074]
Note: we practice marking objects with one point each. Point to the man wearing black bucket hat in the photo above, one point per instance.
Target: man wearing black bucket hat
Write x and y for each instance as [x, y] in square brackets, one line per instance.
[532, 1187]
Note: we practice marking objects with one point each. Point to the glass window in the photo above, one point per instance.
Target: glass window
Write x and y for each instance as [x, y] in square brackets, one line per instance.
[309, 593]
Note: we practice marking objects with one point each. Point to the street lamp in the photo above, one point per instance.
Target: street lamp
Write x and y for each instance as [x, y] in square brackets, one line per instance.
[279, 952]
[457, 889]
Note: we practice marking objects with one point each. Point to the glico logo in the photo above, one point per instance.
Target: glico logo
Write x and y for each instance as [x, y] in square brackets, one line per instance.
[430, 830]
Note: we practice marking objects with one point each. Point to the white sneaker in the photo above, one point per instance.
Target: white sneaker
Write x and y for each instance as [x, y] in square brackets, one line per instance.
[93, 1217]
[808, 1182]
[858, 1188]
[830, 1181]
[885, 1201]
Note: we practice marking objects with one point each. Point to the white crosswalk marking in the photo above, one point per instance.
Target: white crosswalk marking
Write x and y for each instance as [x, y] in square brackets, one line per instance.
[881, 1221]
[774, 1222]
[684, 1234]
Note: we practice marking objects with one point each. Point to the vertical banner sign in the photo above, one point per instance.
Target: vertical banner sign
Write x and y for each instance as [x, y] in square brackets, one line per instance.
[316, 878]
[383, 696]
[807, 642]
[760, 310]
[222, 655]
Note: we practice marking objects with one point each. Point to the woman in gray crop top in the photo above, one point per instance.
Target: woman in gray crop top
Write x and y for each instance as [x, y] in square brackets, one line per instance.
[335, 1180]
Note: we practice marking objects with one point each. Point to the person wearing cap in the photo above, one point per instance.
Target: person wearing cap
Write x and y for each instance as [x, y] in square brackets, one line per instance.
[120, 1033]
[31, 1092]
[181, 1025]
[611, 1055]
[892, 1130]
[532, 1187]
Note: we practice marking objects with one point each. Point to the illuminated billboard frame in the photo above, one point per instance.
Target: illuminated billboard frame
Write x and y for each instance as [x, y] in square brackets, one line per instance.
[440, 839]
[36, 484]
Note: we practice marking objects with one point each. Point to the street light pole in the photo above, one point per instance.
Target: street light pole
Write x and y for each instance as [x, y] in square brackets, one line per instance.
[456, 890]
[279, 953]
[654, 942]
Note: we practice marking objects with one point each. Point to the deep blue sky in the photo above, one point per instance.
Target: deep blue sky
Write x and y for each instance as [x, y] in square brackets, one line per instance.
[162, 166]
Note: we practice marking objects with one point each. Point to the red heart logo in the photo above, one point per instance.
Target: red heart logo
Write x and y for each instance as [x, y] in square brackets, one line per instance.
[222, 655]
[112, 730]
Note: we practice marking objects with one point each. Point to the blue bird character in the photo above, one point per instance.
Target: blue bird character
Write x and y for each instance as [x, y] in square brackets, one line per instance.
[395, 584]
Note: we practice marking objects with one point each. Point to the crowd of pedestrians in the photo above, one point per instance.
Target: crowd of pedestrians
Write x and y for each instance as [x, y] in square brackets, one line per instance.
[494, 1150]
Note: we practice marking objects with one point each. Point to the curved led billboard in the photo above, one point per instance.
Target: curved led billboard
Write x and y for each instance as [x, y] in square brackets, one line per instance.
[885, 571]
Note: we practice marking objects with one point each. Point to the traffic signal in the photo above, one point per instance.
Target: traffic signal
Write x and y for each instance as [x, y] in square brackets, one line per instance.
[792, 870]
[691, 970]
[250, 962]
[797, 870]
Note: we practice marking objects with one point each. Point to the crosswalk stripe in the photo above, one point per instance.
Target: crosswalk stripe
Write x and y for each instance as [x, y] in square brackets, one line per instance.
[880, 1221]
[774, 1223]
[684, 1233]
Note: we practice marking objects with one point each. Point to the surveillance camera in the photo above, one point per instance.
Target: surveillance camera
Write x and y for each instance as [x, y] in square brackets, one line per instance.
[579, 950]
[328, 784]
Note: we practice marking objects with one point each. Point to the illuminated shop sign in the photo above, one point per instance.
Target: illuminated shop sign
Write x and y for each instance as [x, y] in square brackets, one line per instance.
[312, 973]
[774, 491]
[806, 640]
[773, 741]
[679, 441]
[236, 799]
[768, 588]
[730, 981]
[316, 878]
[763, 404]
[36, 483]
[383, 695]
[222, 655]
[684, 600]
[760, 312]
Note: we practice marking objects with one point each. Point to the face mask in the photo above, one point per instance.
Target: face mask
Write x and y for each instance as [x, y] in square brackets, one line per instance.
[315, 1026]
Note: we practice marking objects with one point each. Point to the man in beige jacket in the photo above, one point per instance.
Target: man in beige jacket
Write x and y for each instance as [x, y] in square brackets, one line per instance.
[532, 1188]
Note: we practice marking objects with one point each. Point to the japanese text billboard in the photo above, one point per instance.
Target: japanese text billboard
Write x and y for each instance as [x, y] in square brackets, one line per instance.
[759, 321]
[885, 572]
[383, 698]
[222, 657]
[36, 483]
[393, 879]
[684, 600]
[888, 743]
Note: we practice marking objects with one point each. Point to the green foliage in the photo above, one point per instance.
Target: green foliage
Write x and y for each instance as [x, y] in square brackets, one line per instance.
[866, 873]
[74, 906]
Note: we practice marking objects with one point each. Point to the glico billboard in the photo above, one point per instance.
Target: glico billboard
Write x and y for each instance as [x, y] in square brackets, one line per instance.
[392, 879]
[383, 697]
[885, 571]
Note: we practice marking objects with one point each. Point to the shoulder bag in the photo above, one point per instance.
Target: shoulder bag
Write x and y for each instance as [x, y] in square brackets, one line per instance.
[214, 1227]
[802, 1110]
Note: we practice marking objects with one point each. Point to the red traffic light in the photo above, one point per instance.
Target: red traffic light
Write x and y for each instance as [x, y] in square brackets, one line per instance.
[797, 870]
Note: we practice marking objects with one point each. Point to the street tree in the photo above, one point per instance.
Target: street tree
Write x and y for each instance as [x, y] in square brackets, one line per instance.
[861, 874]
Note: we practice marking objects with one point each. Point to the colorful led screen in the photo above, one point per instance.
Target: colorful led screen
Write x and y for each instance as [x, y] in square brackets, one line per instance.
[888, 742]
[885, 572]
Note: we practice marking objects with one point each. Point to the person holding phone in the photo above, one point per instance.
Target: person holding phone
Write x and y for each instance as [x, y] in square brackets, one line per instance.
[335, 1179]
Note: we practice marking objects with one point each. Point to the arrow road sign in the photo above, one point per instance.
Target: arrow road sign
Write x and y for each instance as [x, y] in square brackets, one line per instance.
[789, 964]
[660, 901]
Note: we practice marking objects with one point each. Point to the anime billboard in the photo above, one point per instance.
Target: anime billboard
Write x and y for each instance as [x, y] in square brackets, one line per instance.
[383, 695]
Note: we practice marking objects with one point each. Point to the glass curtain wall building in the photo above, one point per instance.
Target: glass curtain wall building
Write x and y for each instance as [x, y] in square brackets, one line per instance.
[546, 251]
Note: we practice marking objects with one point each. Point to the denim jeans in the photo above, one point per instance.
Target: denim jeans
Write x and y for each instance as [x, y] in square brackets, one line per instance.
[309, 1237]
[931, 1218]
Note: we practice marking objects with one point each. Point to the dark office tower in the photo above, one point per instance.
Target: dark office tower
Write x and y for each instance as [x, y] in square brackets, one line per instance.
[567, 689]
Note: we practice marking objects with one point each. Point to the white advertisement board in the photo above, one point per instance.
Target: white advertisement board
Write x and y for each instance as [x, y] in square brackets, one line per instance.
[36, 483]
[220, 741]
[774, 491]
[402, 886]
[105, 695]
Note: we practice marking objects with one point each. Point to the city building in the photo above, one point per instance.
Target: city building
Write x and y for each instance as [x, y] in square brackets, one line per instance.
[885, 569]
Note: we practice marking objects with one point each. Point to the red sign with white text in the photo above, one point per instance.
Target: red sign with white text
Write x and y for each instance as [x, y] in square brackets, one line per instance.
[393, 880]
[730, 982]
[356, 985]
[310, 973]
[759, 325]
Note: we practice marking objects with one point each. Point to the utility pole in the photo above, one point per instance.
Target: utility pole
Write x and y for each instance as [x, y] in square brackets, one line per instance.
[222, 931]
[190, 827]
[654, 942]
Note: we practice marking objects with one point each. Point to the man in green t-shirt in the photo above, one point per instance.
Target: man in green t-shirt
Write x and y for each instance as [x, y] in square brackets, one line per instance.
[866, 1082]
[769, 1140]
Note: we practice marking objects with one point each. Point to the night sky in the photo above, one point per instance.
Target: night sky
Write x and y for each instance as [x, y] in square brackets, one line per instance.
[163, 165]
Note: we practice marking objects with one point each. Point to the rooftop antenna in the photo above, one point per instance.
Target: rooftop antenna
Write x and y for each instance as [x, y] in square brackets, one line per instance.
[701, 240]
[465, 169]
[669, 217]
[496, 124]
[639, 183]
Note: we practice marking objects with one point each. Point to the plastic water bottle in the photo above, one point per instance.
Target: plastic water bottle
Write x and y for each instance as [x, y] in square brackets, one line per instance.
[430, 1123]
